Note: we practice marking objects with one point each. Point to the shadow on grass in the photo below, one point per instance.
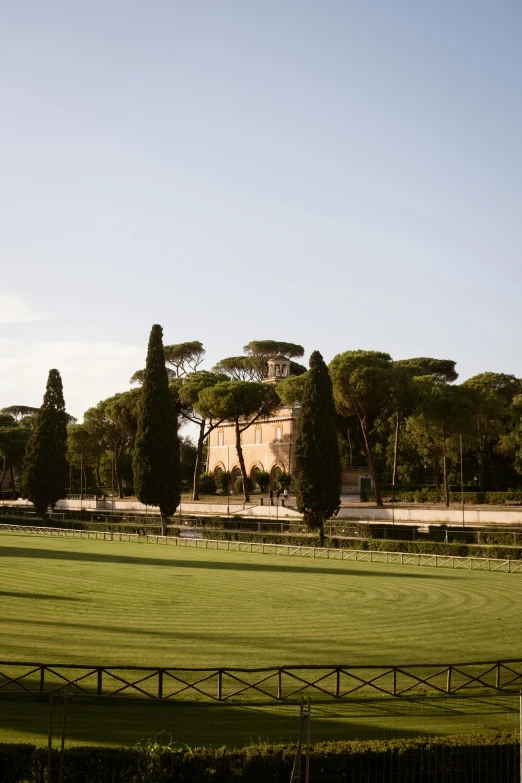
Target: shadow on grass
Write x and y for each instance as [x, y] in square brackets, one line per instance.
[40, 596]
[101, 557]
[124, 722]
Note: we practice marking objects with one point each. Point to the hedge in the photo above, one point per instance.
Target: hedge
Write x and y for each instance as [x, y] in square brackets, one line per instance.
[77, 524]
[493, 545]
[486, 757]
[437, 496]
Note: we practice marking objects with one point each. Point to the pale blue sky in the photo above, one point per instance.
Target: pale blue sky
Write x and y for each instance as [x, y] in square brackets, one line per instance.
[339, 174]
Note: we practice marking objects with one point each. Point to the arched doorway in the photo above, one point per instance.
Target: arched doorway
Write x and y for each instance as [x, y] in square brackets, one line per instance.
[219, 475]
[253, 473]
[274, 473]
[235, 475]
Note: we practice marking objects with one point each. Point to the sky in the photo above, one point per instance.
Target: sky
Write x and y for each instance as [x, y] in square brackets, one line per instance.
[341, 174]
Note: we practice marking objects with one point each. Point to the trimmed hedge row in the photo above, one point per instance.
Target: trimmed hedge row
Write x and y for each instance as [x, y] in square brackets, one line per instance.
[488, 548]
[437, 496]
[77, 524]
[488, 757]
[431, 548]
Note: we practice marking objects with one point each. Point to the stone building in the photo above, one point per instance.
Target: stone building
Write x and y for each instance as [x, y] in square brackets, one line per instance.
[268, 445]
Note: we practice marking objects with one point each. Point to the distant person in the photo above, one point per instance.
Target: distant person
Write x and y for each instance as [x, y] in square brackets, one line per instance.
[285, 494]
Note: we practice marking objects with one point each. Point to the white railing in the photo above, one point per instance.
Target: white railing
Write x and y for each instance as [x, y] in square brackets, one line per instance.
[289, 550]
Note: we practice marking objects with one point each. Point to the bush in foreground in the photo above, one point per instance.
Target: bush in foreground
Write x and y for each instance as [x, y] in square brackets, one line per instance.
[488, 757]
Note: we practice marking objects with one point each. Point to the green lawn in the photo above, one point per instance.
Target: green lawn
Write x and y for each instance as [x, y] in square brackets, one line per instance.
[94, 602]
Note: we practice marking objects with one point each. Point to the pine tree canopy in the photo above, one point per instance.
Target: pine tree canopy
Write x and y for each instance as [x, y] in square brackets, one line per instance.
[317, 466]
[156, 451]
[45, 469]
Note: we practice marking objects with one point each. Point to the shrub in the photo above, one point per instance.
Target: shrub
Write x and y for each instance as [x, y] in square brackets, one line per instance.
[283, 480]
[238, 485]
[207, 484]
[263, 480]
[491, 757]
[223, 480]
[427, 495]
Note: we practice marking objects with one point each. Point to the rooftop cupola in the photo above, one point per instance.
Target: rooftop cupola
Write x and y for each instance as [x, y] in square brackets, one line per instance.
[278, 368]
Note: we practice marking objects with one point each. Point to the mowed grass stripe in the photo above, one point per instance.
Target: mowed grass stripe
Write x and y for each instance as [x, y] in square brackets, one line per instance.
[88, 601]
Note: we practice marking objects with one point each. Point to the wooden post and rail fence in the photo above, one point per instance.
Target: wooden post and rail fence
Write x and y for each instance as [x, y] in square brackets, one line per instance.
[502, 565]
[269, 684]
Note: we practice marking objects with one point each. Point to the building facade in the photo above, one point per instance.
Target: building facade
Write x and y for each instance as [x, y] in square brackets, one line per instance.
[269, 444]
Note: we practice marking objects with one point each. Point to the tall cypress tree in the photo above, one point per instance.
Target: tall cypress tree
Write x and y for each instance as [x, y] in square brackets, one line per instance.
[317, 465]
[156, 448]
[45, 470]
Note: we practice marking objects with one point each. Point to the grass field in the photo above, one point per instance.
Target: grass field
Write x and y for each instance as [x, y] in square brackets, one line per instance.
[81, 601]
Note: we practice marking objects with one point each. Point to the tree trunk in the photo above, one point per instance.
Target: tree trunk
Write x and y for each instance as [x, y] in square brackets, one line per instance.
[445, 466]
[117, 474]
[371, 463]
[482, 458]
[482, 471]
[13, 485]
[98, 477]
[321, 532]
[199, 461]
[436, 472]
[246, 493]
[494, 472]
[4, 474]
[163, 523]
[396, 449]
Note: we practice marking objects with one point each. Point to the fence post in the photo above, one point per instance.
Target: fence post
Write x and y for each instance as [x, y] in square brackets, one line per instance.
[99, 690]
[338, 683]
[394, 681]
[497, 677]
[50, 739]
[42, 675]
[520, 735]
[220, 684]
[279, 685]
[448, 681]
[160, 683]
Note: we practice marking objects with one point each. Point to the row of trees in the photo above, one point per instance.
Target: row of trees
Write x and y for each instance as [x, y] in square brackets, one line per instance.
[404, 419]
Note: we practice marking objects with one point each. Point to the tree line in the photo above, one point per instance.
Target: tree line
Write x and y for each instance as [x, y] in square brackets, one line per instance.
[405, 419]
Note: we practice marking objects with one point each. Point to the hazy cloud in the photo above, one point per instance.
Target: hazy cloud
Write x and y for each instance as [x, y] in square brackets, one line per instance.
[90, 371]
[15, 311]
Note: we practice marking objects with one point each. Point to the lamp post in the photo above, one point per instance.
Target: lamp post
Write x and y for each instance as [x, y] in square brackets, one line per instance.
[112, 482]
[462, 481]
[81, 482]
[228, 484]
